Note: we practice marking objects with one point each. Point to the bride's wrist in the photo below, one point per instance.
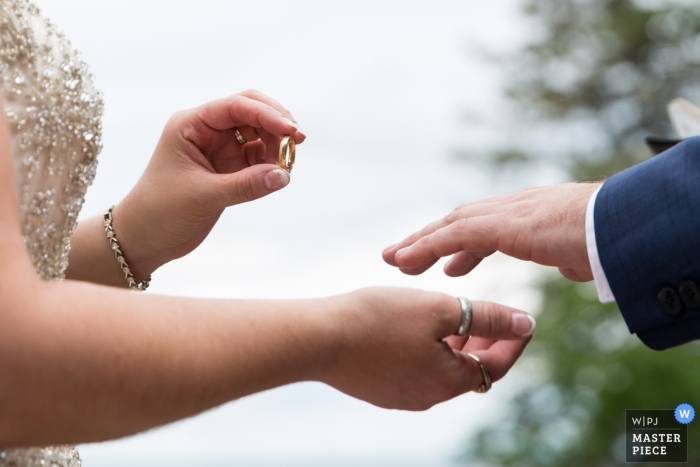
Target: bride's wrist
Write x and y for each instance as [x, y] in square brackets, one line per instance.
[138, 249]
[334, 312]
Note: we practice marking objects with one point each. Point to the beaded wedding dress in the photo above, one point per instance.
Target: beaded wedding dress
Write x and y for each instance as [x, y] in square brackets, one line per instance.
[53, 112]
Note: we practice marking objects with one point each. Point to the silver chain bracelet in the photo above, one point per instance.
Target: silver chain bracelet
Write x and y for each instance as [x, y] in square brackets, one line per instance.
[114, 244]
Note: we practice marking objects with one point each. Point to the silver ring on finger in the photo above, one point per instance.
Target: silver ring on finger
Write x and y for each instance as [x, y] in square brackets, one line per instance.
[239, 137]
[465, 323]
[486, 385]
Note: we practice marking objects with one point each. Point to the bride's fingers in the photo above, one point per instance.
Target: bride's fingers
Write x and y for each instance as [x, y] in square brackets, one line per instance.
[272, 145]
[489, 320]
[498, 360]
[256, 139]
[255, 152]
[495, 321]
[456, 342]
[238, 110]
[469, 344]
[247, 184]
[248, 133]
[464, 262]
[477, 343]
[265, 99]
[500, 357]
[499, 334]
[225, 156]
[259, 96]
[474, 234]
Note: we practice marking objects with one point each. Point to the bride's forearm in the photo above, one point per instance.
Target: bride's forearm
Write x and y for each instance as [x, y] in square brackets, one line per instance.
[84, 363]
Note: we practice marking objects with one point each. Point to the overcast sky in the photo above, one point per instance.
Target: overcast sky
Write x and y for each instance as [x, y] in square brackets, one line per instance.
[382, 90]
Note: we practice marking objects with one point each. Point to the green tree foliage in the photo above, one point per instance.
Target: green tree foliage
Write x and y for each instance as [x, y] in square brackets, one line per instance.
[597, 78]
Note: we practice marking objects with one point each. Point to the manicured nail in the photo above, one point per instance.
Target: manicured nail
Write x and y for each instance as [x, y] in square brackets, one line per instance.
[276, 179]
[523, 324]
[290, 123]
[303, 133]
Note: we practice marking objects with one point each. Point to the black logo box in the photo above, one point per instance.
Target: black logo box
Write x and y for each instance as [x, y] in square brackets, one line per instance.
[673, 444]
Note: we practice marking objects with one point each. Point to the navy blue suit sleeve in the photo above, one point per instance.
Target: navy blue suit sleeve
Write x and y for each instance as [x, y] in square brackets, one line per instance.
[647, 227]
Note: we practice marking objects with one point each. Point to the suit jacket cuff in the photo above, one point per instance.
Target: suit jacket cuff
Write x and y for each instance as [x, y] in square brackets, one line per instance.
[605, 294]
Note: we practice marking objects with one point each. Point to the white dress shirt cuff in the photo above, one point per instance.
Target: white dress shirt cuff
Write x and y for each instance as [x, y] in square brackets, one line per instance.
[605, 294]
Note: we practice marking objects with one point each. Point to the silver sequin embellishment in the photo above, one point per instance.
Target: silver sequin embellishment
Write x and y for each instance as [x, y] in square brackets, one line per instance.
[54, 115]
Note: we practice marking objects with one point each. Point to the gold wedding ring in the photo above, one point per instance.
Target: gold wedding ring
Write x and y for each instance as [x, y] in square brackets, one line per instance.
[287, 153]
[486, 385]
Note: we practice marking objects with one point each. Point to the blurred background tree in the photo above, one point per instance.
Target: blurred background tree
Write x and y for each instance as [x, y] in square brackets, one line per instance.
[584, 94]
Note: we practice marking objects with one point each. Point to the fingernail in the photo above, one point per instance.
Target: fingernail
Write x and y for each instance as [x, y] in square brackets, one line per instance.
[523, 324]
[290, 123]
[401, 252]
[276, 179]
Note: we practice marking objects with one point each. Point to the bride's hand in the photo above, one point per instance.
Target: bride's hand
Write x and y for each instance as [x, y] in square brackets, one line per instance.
[398, 348]
[198, 169]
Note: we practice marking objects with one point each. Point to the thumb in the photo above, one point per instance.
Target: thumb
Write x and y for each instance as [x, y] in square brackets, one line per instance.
[494, 321]
[250, 183]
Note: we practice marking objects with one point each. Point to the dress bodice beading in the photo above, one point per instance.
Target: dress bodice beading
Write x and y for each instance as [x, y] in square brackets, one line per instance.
[53, 113]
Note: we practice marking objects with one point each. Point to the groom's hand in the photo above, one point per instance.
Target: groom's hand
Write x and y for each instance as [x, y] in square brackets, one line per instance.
[545, 225]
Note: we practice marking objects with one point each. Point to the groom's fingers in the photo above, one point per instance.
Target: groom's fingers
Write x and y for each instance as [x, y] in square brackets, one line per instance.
[476, 209]
[420, 269]
[464, 262]
[576, 275]
[390, 251]
[471, 235]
